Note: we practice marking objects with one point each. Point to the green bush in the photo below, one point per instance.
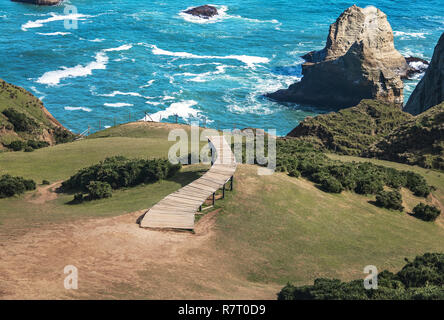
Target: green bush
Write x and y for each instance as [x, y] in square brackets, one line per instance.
[37, 144]
[425, 212]
[120, 172]
[421, 279]
[45, 182]
[389, 200]
[369, 185]
[78, 198]
[332, 185]
[10, 186]
[20, 121]
[28, 149]
[16, 145]
[99, 190]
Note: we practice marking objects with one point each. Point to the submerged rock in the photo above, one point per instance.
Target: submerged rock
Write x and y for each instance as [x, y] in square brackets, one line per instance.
[358, 62]
[41, 2]
[416, 66]
[205, 11]
[430, 90]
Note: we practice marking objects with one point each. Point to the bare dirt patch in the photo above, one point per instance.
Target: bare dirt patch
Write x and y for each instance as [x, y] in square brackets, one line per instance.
[44, 193]
[117, 259]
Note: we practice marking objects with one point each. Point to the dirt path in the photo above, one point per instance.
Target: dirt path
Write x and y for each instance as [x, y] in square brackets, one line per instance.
[117, 259]
[44, 193]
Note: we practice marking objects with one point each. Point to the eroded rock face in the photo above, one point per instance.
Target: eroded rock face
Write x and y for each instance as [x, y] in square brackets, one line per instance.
[205, 11]
[41, 2]
[358, 62]
[430, 90]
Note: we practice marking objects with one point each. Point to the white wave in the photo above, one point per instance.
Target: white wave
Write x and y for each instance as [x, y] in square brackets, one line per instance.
[54, 17]
[148, 84]
[116, 93]
[250, 61]
[405, 35]
[121, 48]
[54, 77]
[101, 60]
[118, 104]
[96, 40]
[54, 33]
[182, 109]
[78, 108]
[206, 76]
[153, 103]
[168, 98]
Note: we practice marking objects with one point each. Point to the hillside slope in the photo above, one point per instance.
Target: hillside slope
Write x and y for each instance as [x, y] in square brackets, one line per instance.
[29, 120]
[374, 129]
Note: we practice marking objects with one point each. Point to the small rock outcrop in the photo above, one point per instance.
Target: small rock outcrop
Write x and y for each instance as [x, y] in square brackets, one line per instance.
[358, 62]
[430, 90]
[41, 2]
[204, 12]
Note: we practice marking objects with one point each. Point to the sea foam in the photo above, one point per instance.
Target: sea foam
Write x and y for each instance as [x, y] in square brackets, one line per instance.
[250, 61]
[54, 17]
[182, 109]
[100, 62]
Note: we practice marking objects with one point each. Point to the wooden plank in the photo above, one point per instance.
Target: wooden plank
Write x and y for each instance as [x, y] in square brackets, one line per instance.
[177, 210]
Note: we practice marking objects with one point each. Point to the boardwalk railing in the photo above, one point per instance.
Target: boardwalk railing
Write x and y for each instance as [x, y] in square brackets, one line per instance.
[177, 210]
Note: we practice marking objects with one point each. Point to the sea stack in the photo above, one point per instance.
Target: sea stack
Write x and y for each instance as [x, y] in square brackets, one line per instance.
[358, 62]
[204, 12]
[41, 2]
[430, 90]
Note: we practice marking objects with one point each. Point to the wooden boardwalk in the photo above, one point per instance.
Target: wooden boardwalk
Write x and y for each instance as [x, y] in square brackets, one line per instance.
[177, 210]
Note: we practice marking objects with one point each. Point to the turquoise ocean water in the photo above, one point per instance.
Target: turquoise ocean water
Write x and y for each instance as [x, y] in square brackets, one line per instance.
[128, 57]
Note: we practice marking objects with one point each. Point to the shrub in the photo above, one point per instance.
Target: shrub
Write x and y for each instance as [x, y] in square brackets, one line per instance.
[425, 212]
[20, 121]
[294, 173]
[10, 186]
[421, 279]
[369, 185]
[63, 136]
[389, 200]
[417, 184]
[332, 185]
[78, 198]
[120, 172]
[28, 149]
[37, 144]
[99, 190]
[45, 182]
[17, 145]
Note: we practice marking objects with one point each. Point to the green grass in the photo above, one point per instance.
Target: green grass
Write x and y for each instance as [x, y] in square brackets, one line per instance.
[59, 162]
[278, 229]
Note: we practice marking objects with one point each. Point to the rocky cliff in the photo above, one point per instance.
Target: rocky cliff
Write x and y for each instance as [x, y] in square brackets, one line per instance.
[23, 117]
[430, 90]
[358, 62]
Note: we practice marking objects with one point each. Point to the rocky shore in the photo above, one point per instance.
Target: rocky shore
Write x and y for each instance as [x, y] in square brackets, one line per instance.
[358, 62]
[430, 90]
[41, 2]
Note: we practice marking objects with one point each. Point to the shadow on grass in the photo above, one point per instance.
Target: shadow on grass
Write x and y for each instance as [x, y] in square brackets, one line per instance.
[186, 177]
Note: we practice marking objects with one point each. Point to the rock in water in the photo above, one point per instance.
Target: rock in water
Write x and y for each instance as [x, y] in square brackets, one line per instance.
[358, 62]
[205, 11]
[430, 90]
[41, 2]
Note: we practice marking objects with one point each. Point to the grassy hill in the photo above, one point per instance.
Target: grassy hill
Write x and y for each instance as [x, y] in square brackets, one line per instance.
[268, 231]
[373, 129]
[31, 120]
